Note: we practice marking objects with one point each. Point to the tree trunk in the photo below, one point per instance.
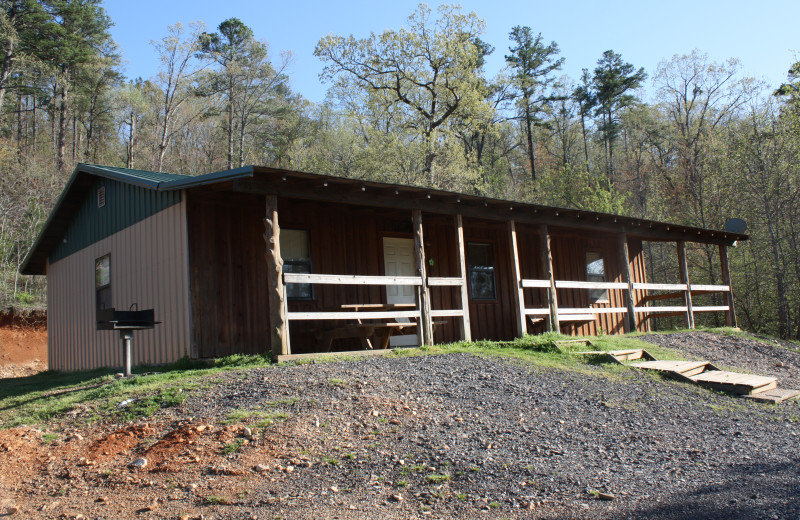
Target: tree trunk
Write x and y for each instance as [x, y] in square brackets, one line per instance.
[61, 144]
[230, 129]
[8, 57]
[529, 129]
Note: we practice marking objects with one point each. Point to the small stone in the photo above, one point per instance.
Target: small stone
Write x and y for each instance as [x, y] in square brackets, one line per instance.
[375, 413]
[10, 510]
[247, 432]
[605, 496]
[75, 437]
[260, 468]
[101, 499]
[289, 468]
[397, 498]
[138, 463]
[334, 489]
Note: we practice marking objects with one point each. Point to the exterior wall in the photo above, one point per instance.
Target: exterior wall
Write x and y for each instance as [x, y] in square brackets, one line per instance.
[230, 306]
[148, 267]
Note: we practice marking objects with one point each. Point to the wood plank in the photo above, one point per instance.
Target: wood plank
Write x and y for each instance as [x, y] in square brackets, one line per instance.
[711, 308]
[730, 313]
[711, 288]
[423, 294]
[683, 267]
[573, 284]
[576, 317]
[347, 279]
[775, 395]
[278, 320]
[660, 309]
[462, 273]
[353, 315]
[660, 286]
[625, 270]
[593, 310]
[537, 312]
[445, 282]
[536, 284]
[518, 293]
[325, 355]
[546, 259]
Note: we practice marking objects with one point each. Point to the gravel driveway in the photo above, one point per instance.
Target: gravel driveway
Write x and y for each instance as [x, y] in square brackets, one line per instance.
[457, 436]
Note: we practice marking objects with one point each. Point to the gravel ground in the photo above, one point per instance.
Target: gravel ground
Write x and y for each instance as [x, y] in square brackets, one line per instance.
[447, 436]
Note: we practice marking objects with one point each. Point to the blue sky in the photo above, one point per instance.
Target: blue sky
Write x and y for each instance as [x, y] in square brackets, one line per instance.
[763, 35]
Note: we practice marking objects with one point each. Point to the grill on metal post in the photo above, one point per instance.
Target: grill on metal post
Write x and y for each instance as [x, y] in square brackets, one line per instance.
[126, 322]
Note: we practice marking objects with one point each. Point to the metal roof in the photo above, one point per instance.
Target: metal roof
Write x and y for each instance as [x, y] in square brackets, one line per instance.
[296, 184]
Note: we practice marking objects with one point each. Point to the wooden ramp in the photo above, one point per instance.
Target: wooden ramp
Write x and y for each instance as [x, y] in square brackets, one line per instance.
[761, 388]
[619, 355]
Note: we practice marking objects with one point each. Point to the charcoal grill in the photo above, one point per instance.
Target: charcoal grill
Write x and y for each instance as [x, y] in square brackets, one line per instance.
[126, 322]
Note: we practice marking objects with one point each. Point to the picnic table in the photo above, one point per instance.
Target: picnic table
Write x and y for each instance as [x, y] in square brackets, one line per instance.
[372, 335]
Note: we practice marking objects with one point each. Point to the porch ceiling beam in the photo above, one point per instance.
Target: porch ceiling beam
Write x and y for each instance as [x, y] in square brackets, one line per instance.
[489, 210]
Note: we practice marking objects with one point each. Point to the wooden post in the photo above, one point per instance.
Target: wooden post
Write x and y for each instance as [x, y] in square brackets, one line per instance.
[625, 270]
[279, 330]
[423, 293]
[462, 273]
[684, 270]
[553, 325]
[730, 314]
[519, 294]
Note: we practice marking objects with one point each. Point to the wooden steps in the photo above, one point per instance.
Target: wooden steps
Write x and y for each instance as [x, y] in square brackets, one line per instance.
[776, 395]
[619, 355]
[706, 374]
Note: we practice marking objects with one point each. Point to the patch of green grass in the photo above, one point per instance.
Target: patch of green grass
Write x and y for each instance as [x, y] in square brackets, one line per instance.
[402, 483]
[47, 396]
[494, 505]
[461, 496]
[232, 446]
[330, 460]
[411, 469]
[215, 501]
[438, 478]
[335, 381]
[47, 438]
[349, 456]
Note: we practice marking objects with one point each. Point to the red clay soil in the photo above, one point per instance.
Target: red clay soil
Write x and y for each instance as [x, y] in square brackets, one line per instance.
[23, 343]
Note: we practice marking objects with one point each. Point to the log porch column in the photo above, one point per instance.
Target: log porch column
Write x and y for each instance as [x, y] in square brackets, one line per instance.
[684, 270]
[546, 255]
[730, 314]
[462, 273]
[519, 294]
[279, 332]
[627, 278]
[423, 293]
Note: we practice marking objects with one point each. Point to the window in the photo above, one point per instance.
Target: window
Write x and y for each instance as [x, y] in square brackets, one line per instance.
[101, 196]
[102, 282]
[296, 253]
[480, 268]
[596, 272]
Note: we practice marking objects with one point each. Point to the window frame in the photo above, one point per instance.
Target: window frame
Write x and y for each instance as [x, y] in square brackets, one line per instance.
[597, 295]
[104, 288]
[309, 262]
[485, 269]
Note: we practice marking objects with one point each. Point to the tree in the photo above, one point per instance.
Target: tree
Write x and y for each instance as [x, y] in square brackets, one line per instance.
[428, 72]
[74, 40]
[611, 82]
[533, 64]
[179, 69]
[246, 78]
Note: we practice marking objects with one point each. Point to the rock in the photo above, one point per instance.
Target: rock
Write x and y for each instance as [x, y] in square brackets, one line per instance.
[605, 496]
[397, 498]
[10, 510]
[75, 437]
[138, 463]
[260, 468]
[334, 489]
[247, 432]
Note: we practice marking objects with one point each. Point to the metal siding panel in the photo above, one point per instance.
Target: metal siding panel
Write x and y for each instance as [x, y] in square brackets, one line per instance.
[148, 266]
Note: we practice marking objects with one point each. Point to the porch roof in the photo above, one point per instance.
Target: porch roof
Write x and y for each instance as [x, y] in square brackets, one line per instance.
[303, 185]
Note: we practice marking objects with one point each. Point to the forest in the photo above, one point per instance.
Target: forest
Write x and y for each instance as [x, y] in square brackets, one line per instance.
[414, 105]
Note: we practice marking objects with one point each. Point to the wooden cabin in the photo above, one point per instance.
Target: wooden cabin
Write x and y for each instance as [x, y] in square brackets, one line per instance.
[262, 260]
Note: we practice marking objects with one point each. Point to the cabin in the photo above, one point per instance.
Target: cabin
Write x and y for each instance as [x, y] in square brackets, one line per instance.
[261, 260]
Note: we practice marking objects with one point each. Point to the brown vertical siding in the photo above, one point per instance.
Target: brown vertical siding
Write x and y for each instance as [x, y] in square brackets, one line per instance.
[148, 267]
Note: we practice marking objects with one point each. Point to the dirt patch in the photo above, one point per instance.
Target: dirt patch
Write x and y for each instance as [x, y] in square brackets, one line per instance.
[23, 343]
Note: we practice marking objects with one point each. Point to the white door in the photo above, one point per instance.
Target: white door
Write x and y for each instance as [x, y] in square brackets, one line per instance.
[398, 260]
